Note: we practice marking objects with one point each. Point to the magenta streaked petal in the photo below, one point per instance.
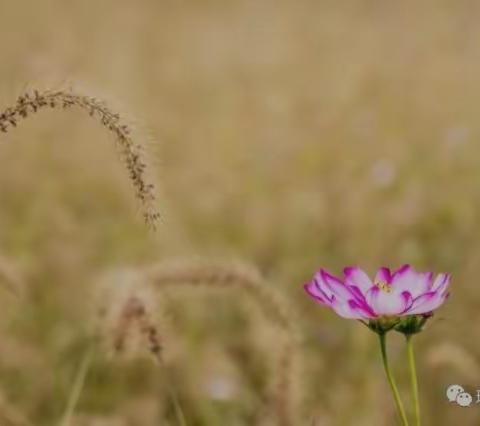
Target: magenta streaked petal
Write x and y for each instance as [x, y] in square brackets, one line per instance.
[407, 300]
[336, 286]
[427, 302]
[350, 309]
[312, 289]
[362, 308]
[416, 283]
[366, 308]
[356, 277]
[401, 270]
[357, 293]
[441, 282]
[329, 278]
[323, 286]
[424, 282]
[371, 298]
[361, 301]
[405, 278]
[386, 302]
[383, 275]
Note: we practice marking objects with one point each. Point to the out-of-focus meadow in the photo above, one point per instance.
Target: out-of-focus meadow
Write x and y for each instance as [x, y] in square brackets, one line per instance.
[290, 135]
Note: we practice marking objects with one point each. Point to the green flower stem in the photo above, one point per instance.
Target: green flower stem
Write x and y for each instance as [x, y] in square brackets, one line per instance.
[391, 380]
[413, 378]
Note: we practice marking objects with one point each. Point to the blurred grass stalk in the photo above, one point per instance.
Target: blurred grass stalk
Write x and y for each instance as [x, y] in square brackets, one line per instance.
[77, 387]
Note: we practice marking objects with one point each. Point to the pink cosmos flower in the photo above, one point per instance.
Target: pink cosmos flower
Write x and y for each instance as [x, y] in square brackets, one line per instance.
[404, 292]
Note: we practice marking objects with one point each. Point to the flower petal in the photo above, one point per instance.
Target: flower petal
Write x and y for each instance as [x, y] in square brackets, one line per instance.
[350, 309]
[314, 291]
[357, 278]
[336, 286]
[406, 279]
[402, 269]
[407, 300]
[388, 303]
[427, 302]
[424, 282]
[441, 282]
[323, 286]
[383, 276]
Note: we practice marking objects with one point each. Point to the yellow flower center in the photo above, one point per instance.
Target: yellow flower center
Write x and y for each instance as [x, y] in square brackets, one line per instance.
[384, 287]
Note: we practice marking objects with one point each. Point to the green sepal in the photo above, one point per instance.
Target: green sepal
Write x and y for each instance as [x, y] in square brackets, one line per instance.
[412, 324]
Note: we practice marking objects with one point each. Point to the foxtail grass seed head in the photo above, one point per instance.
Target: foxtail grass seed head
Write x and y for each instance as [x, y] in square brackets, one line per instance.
[224, 275]
[246, 280]
[127, 314]
[135, 313]
[132, 152]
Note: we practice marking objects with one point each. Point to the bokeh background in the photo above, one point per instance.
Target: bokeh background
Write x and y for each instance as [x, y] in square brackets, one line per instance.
[291, 135]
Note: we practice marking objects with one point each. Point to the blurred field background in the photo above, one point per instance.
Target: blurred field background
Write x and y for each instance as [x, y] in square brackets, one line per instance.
[291, 135]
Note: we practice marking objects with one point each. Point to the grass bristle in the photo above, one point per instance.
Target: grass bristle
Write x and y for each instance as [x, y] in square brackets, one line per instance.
[131, 151]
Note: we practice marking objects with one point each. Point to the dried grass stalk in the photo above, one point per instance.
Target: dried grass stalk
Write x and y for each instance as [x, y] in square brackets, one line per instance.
[10, 277]
[132, 153]
[10, 415]
[134, 313]
[220, 275]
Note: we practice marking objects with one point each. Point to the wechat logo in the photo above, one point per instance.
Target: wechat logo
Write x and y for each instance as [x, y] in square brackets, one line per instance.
[458, 395]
